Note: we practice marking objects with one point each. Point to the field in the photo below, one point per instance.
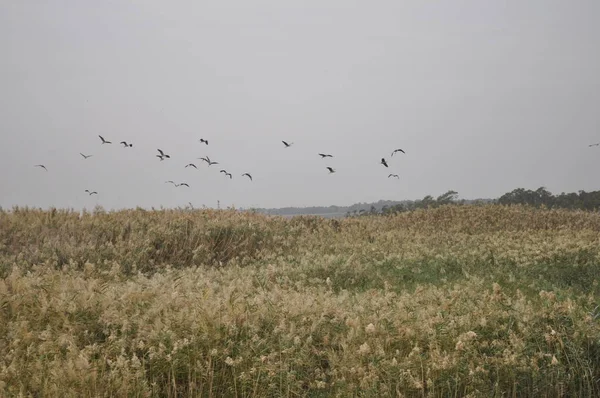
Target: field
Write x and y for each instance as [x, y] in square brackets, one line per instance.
[450, 302]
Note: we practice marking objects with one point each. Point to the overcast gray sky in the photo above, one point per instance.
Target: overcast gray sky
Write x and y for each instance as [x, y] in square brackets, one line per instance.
[484, 97]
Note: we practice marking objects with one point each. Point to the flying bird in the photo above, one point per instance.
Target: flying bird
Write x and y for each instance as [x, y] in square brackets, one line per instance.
[207, 160]
[324, 155]
[162, 154]
[394, 175]
[202, 140]
[85, 156]
[383, 162]
[183, 183]
[398, 150]
[125, 144]
[170, 182]
[91, 193]
[191, 165]
[104, 141]
[331, 170]
[247, 175]
[42, 166]
[287, 145]
[226, 173]
[598, 144]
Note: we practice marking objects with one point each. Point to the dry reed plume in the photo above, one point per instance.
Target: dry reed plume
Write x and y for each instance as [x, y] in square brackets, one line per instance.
[455, 301]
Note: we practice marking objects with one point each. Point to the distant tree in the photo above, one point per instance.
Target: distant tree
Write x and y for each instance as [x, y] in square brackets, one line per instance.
[447, 198]
[427, 202]
[542, 197]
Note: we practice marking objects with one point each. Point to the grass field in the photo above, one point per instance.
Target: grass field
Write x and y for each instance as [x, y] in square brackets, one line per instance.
[451, 302]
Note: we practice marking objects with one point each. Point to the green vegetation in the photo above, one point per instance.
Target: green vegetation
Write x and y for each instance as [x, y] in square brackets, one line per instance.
[541, 197]
[484, 300]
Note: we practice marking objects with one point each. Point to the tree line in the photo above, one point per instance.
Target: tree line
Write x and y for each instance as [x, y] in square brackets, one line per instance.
[540, 197]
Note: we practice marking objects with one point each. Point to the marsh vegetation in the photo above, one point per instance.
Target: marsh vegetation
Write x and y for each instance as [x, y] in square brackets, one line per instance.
[452, 301]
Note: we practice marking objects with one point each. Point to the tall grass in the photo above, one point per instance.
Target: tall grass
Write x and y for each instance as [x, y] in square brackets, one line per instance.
[454, 301]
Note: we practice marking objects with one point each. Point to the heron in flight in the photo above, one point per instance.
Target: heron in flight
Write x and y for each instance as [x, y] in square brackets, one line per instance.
[104, 141]
[162, 155]
[226, 173]
[207, 160]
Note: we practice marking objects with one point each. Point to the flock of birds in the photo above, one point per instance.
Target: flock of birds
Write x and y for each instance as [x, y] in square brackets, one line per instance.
[162, 155]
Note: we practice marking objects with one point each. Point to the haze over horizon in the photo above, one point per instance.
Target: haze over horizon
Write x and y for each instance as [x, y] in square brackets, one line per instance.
[483, 97]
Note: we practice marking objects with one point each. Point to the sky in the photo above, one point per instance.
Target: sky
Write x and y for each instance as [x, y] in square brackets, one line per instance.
[484, 97]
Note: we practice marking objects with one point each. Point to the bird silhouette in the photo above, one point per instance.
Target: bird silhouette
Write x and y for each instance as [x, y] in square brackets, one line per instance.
[170, 182]
[591, 145]
[247, 175]
[383, 162]
[163, 155]
[91, 193]
[208, 161]
[331, 170]
[85, 156]
[42, 166]
[125, 144]
[183, 183]
[398, 150]
[191, 165]
[226, 173]
[104, 141]
[202, 140]
[287, 145]
[394, 175]
[324, 155]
